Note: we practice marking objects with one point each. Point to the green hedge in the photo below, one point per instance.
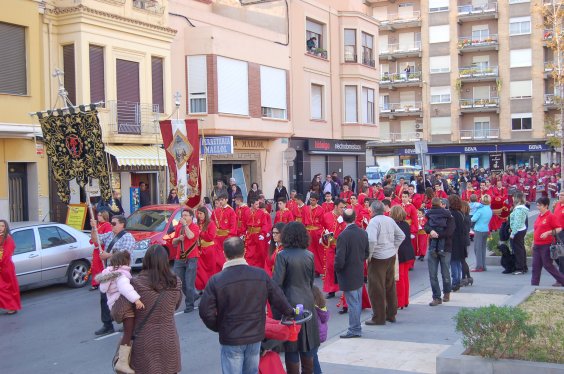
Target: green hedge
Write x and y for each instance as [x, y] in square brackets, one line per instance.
[493, 241]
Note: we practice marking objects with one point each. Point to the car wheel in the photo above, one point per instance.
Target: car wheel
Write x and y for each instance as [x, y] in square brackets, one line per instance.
[77, 274]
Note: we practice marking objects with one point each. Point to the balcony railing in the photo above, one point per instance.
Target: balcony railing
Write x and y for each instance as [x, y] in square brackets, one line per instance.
[127, 117]
[400, 108]
[479, 134]
[476, 72]
[469, 42]
[318, 52]
[492, 102]
[402, 137]
[395, 18]
[152, 6]
[369, 61]
[470, 9]
[350, 53]
[404, 77]
[552, 100]
[397, 48]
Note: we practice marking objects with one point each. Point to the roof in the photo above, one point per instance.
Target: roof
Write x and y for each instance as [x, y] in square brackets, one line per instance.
[17, 225]
[137, 155]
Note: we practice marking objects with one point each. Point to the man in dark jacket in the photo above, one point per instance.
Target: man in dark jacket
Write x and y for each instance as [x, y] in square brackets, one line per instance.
[352, 252]
[233, 304]
[144, 195]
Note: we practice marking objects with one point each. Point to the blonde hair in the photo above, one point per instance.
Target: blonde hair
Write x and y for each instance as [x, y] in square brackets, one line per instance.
[105, 215]
[397, 213]
[486, 199]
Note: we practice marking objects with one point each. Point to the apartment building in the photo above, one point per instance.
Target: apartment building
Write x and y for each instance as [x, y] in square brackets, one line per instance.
[116, 53]
[24, 191]
[470, 77]
[276, 76]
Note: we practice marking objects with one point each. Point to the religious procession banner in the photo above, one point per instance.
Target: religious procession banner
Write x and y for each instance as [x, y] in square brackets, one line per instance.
[180, 138]
[75, 150]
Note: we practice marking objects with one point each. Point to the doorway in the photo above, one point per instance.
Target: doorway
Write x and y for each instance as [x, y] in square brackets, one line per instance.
[241, 172]
[150, 179]
[17, 175]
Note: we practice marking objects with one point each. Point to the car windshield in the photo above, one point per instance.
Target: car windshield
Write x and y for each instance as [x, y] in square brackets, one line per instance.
[374, 175]
[148, 220]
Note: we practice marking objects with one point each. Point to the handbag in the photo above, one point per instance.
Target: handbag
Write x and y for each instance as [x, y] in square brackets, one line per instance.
[556, 250]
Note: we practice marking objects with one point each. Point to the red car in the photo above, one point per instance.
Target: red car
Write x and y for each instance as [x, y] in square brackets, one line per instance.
[153, 224]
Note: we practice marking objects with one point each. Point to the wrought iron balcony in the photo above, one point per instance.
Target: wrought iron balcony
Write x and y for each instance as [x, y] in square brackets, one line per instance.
[485, 43]
[479, 134]
[479, 105]
[131, 118]
[473, 73]
[471, 12]
[404, 137]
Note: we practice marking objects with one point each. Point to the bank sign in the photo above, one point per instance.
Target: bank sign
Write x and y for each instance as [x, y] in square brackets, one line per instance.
[336, 146]
[478, 149]
[216, 145]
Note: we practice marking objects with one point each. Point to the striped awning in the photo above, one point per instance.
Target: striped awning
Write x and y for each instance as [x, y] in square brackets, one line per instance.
[137, 155]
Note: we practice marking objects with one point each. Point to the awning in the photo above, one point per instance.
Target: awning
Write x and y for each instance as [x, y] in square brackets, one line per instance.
[137, 155]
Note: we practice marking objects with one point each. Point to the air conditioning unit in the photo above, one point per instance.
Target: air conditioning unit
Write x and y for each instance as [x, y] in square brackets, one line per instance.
[419, 127]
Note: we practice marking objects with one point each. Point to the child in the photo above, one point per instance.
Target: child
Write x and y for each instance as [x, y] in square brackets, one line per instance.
[474, 204]
[437, 218]
[115, 281]
[322, 319]
[422, 236]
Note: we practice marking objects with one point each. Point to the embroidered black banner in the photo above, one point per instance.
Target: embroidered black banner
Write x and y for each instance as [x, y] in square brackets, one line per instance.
[75, 150]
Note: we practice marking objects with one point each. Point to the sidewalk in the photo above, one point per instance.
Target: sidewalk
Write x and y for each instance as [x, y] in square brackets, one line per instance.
[421, 332]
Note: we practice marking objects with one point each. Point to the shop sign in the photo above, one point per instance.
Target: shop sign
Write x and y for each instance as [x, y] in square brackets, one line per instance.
[496, 162]
[469, 149]
[251, 144]
[216, 145]
[336, 146]
[523, 147]
[39, 149]
[76, 216]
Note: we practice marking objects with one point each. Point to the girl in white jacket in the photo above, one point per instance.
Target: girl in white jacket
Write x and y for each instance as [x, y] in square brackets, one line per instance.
[115, 281]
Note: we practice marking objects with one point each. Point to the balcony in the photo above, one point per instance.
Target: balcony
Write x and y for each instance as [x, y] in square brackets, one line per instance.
[397, 80]
[405, 137]
[319, 53]
[488, 43]
[552, 101]
[151, 6]
[395, 51]
[479, 134]
[478, 74]
[397, 21]
[393, 110]
[479, 105]
[128, 118]
[471, 12]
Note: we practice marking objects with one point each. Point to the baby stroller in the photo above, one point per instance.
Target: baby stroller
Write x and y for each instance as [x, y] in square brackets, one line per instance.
[276, 333]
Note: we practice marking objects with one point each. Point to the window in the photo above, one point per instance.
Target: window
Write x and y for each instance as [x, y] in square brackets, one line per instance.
[384, 131]
[157, 83]
[69, 69]
[520, 58]
[350, 45]
[233, 86]
[383, 43]
[480, 32]
[25, 241]
[13, 75]
[97, 84]
[519, 25]
[385, 102]
[128, 97]
[316, 101]
[350, 104]
[367, 49]
[314, 35]
[481, 127]
[438, 6]
[52, 236]
[440, 95]
[480, 62]
[521, 89]
[439, 34]
[521, 121]
[368, 105]
[439, 64]
[440, 125]
[273, 92]
[197, 84]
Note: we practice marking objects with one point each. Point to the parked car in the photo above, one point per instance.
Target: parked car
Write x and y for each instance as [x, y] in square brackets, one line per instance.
[405, 172]
[374, 174]
[153, 224]
[49, 253]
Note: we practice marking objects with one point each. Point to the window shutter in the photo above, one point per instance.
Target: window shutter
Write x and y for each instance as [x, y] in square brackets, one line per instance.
[157, 82]
[316, 101]
[13, 75]
[440, 125]
[520, 89]
[97, 84]
[128, 96]
[350, 104]
[520, 58]
[439, 34]
[69, 69]
[233, 86]
[273, 87]
[384, 130]
[314, 27]
[197, 83]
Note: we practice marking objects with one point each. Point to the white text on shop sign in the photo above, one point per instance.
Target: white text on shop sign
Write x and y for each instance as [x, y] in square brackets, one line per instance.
[216, 145]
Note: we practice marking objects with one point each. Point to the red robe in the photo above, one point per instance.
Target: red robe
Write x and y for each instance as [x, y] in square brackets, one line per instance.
[242, 212]
[315, 229]
[559, 213]
[328, 206]
[441, 194]
[9, 288]
[225, 221]
[97, 264]
[361, 197]
[365, 216]
[379, 195]
[291, 204]
[254, 247]
[346, 196]
[270, 261]
[284, 216]
[331, 225]
[417, 200]
[208, 252]
[301, 214]
[422, 238]
[268, 226]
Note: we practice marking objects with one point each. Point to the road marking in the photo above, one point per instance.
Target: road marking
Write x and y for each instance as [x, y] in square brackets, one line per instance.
[107, 336]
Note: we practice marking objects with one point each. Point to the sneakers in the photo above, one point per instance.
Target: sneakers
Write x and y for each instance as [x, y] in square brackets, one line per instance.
[435, 302]
[105, 330]
[446, 297]
[477, 270]
[518, 272]
[557, 284]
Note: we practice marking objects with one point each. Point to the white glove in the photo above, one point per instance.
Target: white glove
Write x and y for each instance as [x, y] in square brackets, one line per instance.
[242, 237]
[365, 220]
[412, 236]
[340, 219]
[261, 237]
[320, 241]
[268, 235]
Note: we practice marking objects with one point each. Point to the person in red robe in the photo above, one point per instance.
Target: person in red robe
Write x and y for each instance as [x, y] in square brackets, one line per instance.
[283, 214]
[376, 192]
[268, 217]
[363, 195]
[346, 194]
[103, 227]
[439, 192]
[225, 221]
[328, 204]
[500, 190]
[292, 201]
[256, 234]
[242, 212]
[9, 287]
[333, 225]
[301, 211]
[422, 236]
[469, 192]
[314, 228]
[531, 188]
[415, 198]
[365, 214]
[207, 262]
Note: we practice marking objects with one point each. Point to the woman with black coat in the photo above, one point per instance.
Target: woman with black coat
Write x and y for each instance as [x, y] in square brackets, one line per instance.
[294, 273]
[406, 256]
[460, 245]
[280, 191]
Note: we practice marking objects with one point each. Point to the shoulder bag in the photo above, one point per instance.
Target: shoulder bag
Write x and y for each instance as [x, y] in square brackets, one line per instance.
[556, 249]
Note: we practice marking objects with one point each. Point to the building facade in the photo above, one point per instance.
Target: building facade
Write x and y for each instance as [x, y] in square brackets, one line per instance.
[469, 77]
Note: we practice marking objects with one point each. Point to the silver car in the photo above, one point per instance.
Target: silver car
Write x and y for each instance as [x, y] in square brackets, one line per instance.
[50, 253]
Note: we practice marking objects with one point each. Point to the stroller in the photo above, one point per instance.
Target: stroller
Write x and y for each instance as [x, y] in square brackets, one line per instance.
[277, 332]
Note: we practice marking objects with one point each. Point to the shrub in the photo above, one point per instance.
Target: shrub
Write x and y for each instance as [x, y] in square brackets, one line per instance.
[494, 331]
[493, 241]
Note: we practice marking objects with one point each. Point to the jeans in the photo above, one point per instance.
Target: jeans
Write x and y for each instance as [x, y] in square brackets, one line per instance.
[518, 246]
[456, 271]
[354, 301]
[316, 365]
[433, 261]
[295, 356]
[541, 258]
[186, 271]
[480, 239]
[105, 315]
[240, 359]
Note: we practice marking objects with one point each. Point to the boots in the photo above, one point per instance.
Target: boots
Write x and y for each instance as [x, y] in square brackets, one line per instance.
[122, 365]
[446, 297]
[307, 365]
[292, 367]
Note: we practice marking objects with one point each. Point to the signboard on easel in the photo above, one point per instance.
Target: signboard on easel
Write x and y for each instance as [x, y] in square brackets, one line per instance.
[76, 216]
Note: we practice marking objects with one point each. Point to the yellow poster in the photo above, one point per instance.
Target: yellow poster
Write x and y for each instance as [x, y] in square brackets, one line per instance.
[76, 215]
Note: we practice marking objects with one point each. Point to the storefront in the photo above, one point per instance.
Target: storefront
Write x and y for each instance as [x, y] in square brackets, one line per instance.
[322, 156]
